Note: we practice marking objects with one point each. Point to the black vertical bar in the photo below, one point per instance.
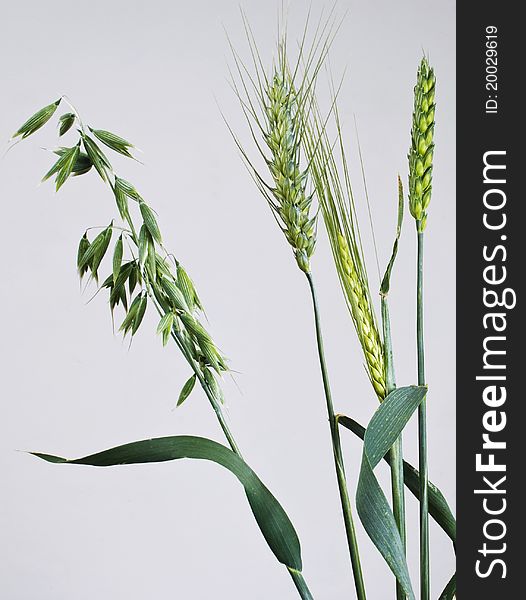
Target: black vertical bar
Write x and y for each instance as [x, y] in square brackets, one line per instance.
[491, 256]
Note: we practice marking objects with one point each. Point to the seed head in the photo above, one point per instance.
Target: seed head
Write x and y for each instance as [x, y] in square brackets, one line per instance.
[362, 314]
[283, 137]
[422, 145]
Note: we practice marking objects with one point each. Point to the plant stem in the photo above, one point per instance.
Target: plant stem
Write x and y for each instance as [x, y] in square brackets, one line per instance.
[422, 423]
[297, 576]
[338, 456]
[212, 399]
[396, 452]
[301, 585]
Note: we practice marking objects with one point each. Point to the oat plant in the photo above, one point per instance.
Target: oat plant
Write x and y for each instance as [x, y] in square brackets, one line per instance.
[143, 274]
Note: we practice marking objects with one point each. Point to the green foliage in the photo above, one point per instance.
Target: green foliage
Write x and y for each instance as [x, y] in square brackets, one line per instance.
[373, 508]
[273, 521]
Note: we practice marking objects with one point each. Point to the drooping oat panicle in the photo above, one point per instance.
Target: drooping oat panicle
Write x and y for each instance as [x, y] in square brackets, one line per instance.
[422, 145]
[333, 189]
[142, 272]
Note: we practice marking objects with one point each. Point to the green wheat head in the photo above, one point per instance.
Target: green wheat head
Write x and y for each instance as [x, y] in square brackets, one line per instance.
[362, 312]
[422, 145]
[273, 101]
[283, 137]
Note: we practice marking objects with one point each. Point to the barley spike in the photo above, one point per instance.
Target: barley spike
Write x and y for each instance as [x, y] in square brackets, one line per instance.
[364, 321]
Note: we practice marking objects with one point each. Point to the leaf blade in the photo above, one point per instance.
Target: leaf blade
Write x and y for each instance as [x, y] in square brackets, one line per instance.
[438, 507]
[270, 516]
[373, 508]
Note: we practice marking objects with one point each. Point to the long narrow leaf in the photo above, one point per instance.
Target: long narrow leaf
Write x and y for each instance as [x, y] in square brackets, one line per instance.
[384, 288]
[373, 508]
[273, 521]
[438, 507]
[450, 590]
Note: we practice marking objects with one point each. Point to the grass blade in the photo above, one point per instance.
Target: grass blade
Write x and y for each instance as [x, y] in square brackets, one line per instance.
[450, 590]
[273, 521]
[375, 513]
[438, 507]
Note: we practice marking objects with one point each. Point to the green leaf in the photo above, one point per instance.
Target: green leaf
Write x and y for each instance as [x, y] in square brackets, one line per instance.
[373, 508]
[69, 158]
[450, 590]
[66, 123]
[438, 507]
[117, 258]
[36, 121]
[384, 288]
[273, 521]
[97, 157]
[113, 141]
[187, 390]
[150, 222]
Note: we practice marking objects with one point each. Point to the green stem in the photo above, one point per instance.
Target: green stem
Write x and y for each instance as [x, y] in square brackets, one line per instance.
[297, 577]
[301, 585]
[396, 452]
[338, 456]
[422, 423]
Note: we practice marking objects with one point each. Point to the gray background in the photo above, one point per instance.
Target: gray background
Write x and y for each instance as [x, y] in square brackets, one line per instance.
[153, 72]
